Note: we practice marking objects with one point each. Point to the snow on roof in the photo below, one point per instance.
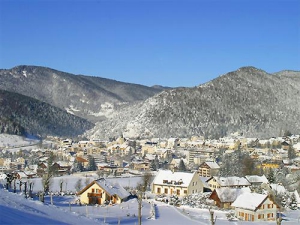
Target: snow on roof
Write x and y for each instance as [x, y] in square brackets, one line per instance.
[249, 200]
[112, 188]
[212, 165]
[227, 194]
[278, 188]
[62, 163]
[22, 174]
[182, 178]
[150, 156]
[297, 146]
[232, 181]
[257, 179]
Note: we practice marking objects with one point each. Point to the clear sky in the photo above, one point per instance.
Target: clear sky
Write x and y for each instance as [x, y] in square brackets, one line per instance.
[167, 42]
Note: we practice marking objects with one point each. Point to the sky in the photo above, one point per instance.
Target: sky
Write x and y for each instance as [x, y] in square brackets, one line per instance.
[151, 42]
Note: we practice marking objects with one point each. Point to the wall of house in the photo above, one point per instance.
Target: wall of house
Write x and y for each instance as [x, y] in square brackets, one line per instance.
[213, 184]
[170, 190]
[267, 211]
[97, 192]
[195, 185]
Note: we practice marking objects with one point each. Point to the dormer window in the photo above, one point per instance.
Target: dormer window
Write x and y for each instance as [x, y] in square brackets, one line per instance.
[165, 181]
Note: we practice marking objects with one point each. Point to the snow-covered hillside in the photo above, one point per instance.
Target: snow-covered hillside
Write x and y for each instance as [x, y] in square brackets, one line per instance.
[16, 209]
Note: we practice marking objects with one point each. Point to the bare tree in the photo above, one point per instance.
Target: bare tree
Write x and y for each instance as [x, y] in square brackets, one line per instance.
[145, 183]
[78, 184]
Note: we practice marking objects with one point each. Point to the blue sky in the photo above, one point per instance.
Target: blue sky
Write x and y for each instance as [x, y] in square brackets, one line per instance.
[170, 42]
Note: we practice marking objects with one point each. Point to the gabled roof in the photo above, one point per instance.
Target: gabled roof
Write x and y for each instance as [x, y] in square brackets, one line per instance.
[108, 187]
[230, 194]
[183, 179]
[249, 201]
[257, 179]
[230, 181]
[212, 165]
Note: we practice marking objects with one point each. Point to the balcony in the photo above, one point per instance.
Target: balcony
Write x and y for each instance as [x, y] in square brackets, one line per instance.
[99, 195]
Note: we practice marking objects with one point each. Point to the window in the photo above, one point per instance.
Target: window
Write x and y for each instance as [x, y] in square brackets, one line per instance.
[166, 190]
[178, 192]
[165, 181]
[158, 190]
[185, 191]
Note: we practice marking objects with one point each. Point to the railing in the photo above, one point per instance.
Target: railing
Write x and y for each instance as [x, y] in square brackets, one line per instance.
[94, 195]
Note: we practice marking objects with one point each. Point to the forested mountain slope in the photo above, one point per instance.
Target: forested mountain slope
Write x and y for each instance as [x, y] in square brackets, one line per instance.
[247, 100]
[22, 115]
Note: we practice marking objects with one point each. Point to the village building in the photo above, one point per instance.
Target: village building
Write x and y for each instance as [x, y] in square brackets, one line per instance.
[255, 207]
[225, 196]
[208, 169]
[257, 181]
[103, 192]
[232, 182]
[176, 183]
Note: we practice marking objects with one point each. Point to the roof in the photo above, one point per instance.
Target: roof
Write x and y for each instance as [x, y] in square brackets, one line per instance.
[278, 188]
[113, 188]
[108, 187]
[231, 181]
[184, 177]
[257, 179]
[227, 194]
[212, 165]
[249, 201]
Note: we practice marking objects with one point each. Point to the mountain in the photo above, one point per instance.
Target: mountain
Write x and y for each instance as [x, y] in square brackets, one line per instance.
[22, 115]
[89, 97]
[248, 100]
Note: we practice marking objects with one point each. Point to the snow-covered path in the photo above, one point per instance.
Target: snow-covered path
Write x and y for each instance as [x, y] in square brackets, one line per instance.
[167, 214]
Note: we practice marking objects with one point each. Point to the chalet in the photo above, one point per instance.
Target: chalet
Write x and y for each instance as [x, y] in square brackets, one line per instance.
[62, 167]
[255, 207]
[176, 183]
[140, 165]
[208, 169]
[83, 161]
[101, 192]
[225, 196]
[232, 182]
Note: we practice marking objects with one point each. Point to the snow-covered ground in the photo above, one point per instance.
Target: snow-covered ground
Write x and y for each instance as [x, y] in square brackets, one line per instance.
[8, 141]
[15, 209]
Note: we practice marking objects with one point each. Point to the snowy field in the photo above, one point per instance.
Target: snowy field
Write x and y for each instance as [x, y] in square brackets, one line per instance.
[15, 209]
[14, 143]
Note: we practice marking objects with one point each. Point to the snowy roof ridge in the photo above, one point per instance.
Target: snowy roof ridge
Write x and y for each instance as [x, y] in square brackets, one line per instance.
[232, 181]
[169, 175]
[249, 200]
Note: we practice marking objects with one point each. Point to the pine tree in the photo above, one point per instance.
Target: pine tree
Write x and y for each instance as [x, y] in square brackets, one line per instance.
[291, 152]
[181, 166]
[271, 176]
[153, 166]
[283, 200]
[92, 163]
[293, 202]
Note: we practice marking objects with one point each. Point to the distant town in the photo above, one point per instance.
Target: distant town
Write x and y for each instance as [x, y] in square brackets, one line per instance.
[223, 173]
